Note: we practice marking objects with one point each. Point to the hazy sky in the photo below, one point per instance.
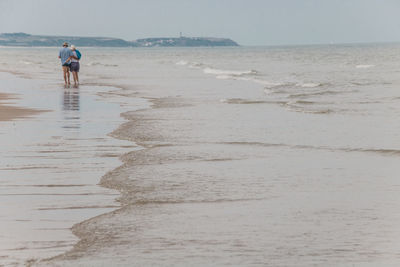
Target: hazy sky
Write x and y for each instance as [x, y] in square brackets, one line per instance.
[249, 22]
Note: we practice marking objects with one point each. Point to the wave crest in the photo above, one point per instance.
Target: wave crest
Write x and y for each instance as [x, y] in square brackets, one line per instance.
[364, 66]
[309, 85]
[229, 72]
[100, 64]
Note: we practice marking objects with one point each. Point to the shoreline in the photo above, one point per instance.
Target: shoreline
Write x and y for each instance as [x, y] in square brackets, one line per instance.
[82, 230]
[84, 236]
[102, 150]
[227, 175]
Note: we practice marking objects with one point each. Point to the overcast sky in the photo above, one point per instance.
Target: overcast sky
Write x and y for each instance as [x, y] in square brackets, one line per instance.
[249, 22]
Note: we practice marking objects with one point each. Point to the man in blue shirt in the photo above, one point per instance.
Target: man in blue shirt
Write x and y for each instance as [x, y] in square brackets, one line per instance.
[64, 55]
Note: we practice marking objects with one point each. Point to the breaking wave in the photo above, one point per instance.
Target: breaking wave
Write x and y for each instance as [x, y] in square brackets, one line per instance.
[26, 62]
[182, 63]
[309, 85]
[218, 72]
[229, 72]
[100, 64]
[192, 65]
[364, 66]
[266, 84]
[251, 75]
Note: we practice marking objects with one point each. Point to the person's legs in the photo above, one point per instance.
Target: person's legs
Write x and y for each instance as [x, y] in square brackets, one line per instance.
[68, 76]
[77, 76]
[74, 76]
[65, 70]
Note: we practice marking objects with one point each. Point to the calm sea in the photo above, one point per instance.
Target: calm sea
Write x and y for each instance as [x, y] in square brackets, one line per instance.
[269, 156]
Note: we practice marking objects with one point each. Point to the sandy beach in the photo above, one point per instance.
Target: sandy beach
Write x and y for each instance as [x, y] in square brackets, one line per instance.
[203, 157]
[51, 164]
[8, 112]
[199, 133]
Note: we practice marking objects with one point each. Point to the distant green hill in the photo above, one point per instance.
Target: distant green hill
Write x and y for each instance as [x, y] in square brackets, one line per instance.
[184, 41]
[27, 40]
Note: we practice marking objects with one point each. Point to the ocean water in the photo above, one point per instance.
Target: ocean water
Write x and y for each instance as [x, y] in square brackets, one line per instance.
[269, 156]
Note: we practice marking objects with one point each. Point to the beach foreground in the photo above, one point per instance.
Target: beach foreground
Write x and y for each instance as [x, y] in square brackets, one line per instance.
[228, 156]
[11, 112]
[52, 158]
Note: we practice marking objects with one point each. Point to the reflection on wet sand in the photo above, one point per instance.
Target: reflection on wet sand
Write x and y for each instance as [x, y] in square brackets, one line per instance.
[9, 112]
[71, 108]
[49, 177]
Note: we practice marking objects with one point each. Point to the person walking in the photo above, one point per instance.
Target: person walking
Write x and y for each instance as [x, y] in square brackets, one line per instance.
[65, 54]
[75, 64]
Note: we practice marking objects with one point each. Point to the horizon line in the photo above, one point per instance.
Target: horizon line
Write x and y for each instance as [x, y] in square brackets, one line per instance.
[240, 45]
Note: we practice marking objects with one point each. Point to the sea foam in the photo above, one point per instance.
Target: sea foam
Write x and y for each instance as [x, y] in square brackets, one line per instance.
[364, 66]
[229, 72]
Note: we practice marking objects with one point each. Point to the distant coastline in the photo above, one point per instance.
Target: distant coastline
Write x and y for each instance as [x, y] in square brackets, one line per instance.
[27, 40]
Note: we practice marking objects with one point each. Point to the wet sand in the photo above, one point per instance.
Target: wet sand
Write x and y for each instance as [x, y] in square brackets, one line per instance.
[51, 164]
[165, 214]
[227, 173]
[8, 112]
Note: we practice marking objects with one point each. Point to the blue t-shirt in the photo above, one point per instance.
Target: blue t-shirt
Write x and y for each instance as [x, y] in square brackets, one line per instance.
[65, 53]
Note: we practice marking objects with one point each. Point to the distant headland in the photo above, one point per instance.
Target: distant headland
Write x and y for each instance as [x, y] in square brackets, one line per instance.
[27, 40]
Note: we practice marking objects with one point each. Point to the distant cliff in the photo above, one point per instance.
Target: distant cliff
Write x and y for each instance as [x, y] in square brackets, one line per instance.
[23, 39]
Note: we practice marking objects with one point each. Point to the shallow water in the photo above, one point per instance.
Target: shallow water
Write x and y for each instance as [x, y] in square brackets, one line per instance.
[284, 156]
[51, 165]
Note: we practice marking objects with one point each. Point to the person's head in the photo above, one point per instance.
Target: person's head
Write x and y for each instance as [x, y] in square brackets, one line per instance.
[65, 44]
[73, 47]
